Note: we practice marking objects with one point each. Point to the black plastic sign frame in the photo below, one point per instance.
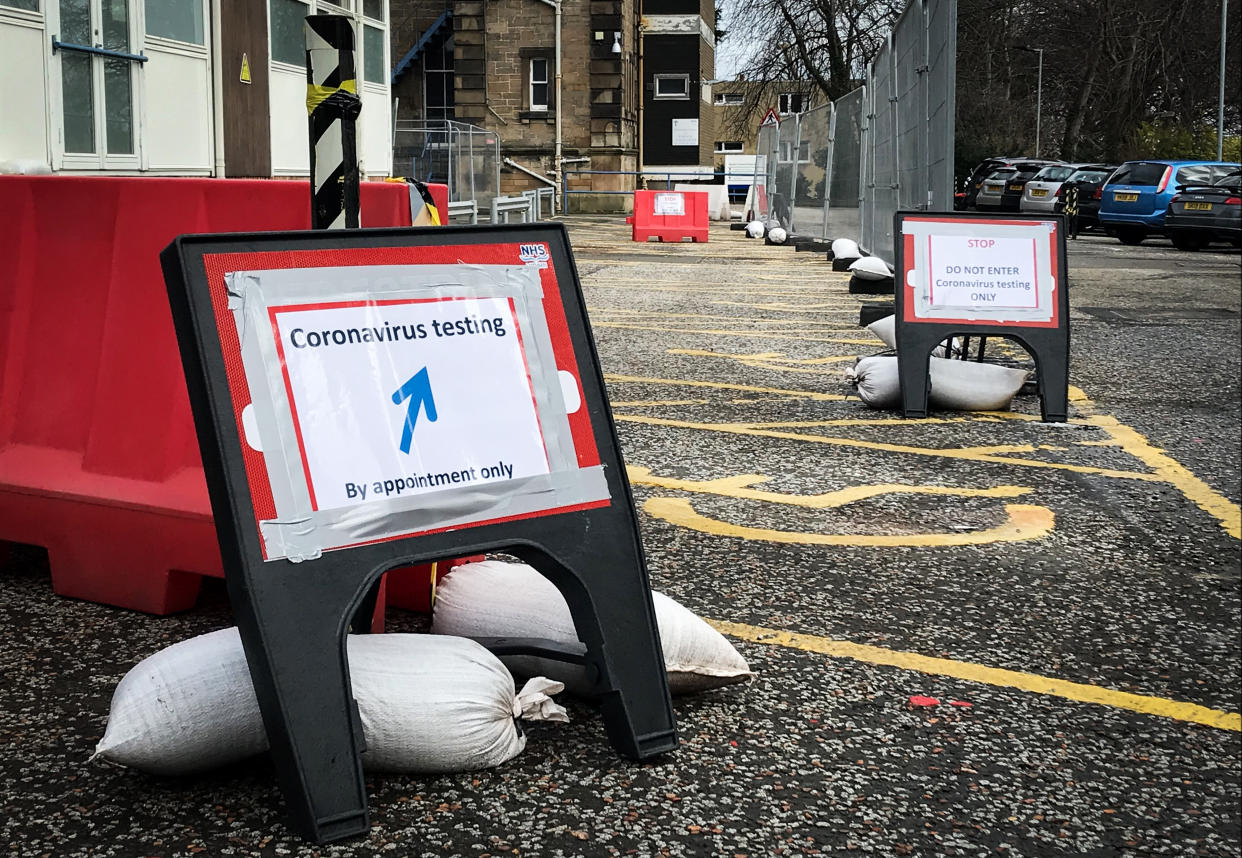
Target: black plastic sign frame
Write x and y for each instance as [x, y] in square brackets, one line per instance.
[282, 337]
[982, 275]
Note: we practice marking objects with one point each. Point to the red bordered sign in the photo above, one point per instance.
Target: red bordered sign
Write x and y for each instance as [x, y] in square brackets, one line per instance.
[386, 392]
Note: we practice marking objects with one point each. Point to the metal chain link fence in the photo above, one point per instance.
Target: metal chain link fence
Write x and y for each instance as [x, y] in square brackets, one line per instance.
[843, 170]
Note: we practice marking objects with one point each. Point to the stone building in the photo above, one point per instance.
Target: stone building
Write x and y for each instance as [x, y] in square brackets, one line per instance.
[493, 64]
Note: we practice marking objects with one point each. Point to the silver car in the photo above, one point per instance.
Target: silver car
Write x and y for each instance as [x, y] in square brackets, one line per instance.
[1040, 193]
[993, 187]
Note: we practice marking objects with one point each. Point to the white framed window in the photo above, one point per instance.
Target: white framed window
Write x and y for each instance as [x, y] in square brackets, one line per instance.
[671, 86]
[179, 20]
[94, 98]
[374, 43]
[539, 89]
[729, 146]
[288, 42]
[789, 102]
[730, 98]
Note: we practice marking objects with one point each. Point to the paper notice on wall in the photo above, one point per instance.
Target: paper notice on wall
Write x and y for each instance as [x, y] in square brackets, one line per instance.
[685, 132]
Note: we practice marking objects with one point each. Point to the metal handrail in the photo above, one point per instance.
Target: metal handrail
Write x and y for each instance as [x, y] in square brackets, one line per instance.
[669, 176]
[58, 45]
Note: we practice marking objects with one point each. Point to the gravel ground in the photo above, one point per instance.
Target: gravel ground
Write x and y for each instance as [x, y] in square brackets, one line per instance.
[1135, 588]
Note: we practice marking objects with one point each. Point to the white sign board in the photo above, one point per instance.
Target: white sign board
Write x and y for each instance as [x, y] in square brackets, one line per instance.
[685, 132]
[979, 270]
[409, 397]
[669, 204]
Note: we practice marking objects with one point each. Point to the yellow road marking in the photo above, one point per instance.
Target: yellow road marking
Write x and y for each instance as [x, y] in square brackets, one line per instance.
[948, 453]
[832, 307]
[720, 385]
[740, 487]
[723, 333]
[638, 403]
[1023, 522]
[774, 361]
[636, 315]
[970, 672]
[1228, 513]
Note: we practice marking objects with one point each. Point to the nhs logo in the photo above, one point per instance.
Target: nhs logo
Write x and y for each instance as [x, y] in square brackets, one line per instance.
[533, 253]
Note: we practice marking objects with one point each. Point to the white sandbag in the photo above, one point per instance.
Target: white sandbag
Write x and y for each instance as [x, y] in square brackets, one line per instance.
[845, 248]
[777, 235]
[428, 704]
[877, 381]
[871, 268]
[956, 385]
[755, 229]
[885, 329]
[512, 600]
[965, 385]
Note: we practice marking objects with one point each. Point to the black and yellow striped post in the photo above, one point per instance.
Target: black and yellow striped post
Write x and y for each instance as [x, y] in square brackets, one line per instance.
[332, 106]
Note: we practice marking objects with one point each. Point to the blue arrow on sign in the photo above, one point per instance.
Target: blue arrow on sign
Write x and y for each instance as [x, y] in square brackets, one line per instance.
[418, 391]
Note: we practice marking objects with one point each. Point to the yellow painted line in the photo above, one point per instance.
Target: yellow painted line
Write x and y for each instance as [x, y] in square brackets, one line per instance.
[999, 677]
[948, 453]
[740, 487]
[613, 378]
[999, 448]
[774, 360]
[639, 315]
[655, 402]
[1023, 522]
[1170, 470]
[764, 335]
[832, 307]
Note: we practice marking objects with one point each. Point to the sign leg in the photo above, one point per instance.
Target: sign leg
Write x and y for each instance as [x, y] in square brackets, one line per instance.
[612, 611]
[913, 369]
[300, 675]
[1054, 384]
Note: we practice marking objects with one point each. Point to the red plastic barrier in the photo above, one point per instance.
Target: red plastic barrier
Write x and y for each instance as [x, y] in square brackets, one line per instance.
[670, 215]
[412, 587]
[98, 457]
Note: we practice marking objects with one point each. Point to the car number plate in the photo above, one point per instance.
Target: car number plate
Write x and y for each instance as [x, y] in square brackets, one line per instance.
[1125, 198]
[1039, 193]
[1016, 187]
[1198, 207]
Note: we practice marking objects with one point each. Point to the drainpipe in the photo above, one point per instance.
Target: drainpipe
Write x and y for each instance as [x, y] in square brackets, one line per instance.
[217, 89]
[560, 108]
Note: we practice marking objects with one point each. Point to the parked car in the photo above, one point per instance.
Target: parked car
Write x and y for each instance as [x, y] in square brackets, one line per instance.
[1001, 189]
[1135, 198]
[992, 189]
[1200, 214]
[1090, 180]
[975, 181]
[1040, 192]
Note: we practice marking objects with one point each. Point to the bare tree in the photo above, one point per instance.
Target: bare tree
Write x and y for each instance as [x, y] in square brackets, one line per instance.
[818, 48]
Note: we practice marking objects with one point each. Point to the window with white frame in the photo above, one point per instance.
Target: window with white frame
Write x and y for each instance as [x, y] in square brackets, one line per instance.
[288, 43]
[539, 90]
[729, 146]
[730, 98]
[671, 86]
[789, 102]
[374, 42]
[179, 20]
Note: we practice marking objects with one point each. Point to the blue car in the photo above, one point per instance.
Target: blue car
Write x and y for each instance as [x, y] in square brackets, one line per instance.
[1136, 196]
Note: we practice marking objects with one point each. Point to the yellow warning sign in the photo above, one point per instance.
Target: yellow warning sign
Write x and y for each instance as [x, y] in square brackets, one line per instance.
[245, 69]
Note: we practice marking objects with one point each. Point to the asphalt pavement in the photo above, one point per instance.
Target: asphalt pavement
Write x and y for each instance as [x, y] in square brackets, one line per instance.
[1060, 601]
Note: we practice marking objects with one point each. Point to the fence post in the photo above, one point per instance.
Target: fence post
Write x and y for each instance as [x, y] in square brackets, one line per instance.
[332, 107]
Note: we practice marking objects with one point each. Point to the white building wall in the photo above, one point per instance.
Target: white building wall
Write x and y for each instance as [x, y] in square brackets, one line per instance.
[23, 87]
